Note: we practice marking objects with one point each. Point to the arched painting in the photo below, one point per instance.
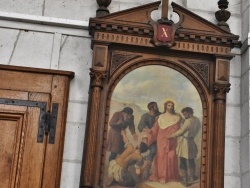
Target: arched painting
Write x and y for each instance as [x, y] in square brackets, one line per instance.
[154, 131]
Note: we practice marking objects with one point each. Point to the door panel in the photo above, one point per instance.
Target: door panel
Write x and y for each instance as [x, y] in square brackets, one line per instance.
[33, 157]
[11, 94]
[11, 126]
[53, 158]
[24, 162]
[24, 81]
[12, 120]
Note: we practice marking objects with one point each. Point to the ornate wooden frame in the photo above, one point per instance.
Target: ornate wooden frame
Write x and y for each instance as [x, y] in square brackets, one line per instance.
[201, 52]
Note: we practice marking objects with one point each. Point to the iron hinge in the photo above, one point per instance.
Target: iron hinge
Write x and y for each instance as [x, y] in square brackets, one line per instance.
[47, 120]
[50, 123]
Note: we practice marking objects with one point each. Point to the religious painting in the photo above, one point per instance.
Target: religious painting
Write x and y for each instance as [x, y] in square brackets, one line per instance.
[154, 131]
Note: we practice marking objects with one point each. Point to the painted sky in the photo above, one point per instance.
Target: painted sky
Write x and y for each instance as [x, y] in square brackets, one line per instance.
[157, 83]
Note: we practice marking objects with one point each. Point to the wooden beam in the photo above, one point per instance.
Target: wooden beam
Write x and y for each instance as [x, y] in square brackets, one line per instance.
[164, 13]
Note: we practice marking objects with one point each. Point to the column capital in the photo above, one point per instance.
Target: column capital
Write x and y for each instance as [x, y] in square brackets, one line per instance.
[97, 77]
[220, 91]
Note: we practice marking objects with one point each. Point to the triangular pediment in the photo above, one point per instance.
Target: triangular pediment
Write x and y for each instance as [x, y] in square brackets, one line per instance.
[192, 22]
[137, 21]
[139, 15]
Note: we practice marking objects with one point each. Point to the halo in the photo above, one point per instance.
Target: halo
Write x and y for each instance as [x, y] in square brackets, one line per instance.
[170, 99]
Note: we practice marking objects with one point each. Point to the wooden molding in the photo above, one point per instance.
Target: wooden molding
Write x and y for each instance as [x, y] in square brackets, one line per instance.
[37, 70]
[33, 113]
[199, 50]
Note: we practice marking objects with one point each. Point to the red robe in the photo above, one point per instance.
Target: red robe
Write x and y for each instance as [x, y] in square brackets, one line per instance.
[165, 164]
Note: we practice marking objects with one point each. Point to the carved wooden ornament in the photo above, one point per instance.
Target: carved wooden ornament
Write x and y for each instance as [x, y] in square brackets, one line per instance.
[164, 31]
[174, 65]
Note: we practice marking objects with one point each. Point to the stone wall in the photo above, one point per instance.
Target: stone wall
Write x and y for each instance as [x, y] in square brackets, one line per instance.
[53, 34]
[244, 139]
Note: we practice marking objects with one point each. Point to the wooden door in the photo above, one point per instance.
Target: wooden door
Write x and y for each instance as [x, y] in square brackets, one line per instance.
[25, 160]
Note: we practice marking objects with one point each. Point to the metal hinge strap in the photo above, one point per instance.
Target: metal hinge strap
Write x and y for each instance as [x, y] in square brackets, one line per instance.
[53, 121]
[47, 121]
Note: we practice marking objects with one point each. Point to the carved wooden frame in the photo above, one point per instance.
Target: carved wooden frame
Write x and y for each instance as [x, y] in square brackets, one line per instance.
[120, 46]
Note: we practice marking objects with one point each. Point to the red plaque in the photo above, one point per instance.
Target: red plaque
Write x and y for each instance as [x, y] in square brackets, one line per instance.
[164, 33]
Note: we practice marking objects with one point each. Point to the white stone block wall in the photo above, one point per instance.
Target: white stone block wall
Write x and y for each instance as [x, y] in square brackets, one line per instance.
[233, 126]
[29, 43]
[63, 52]
[245, 93]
